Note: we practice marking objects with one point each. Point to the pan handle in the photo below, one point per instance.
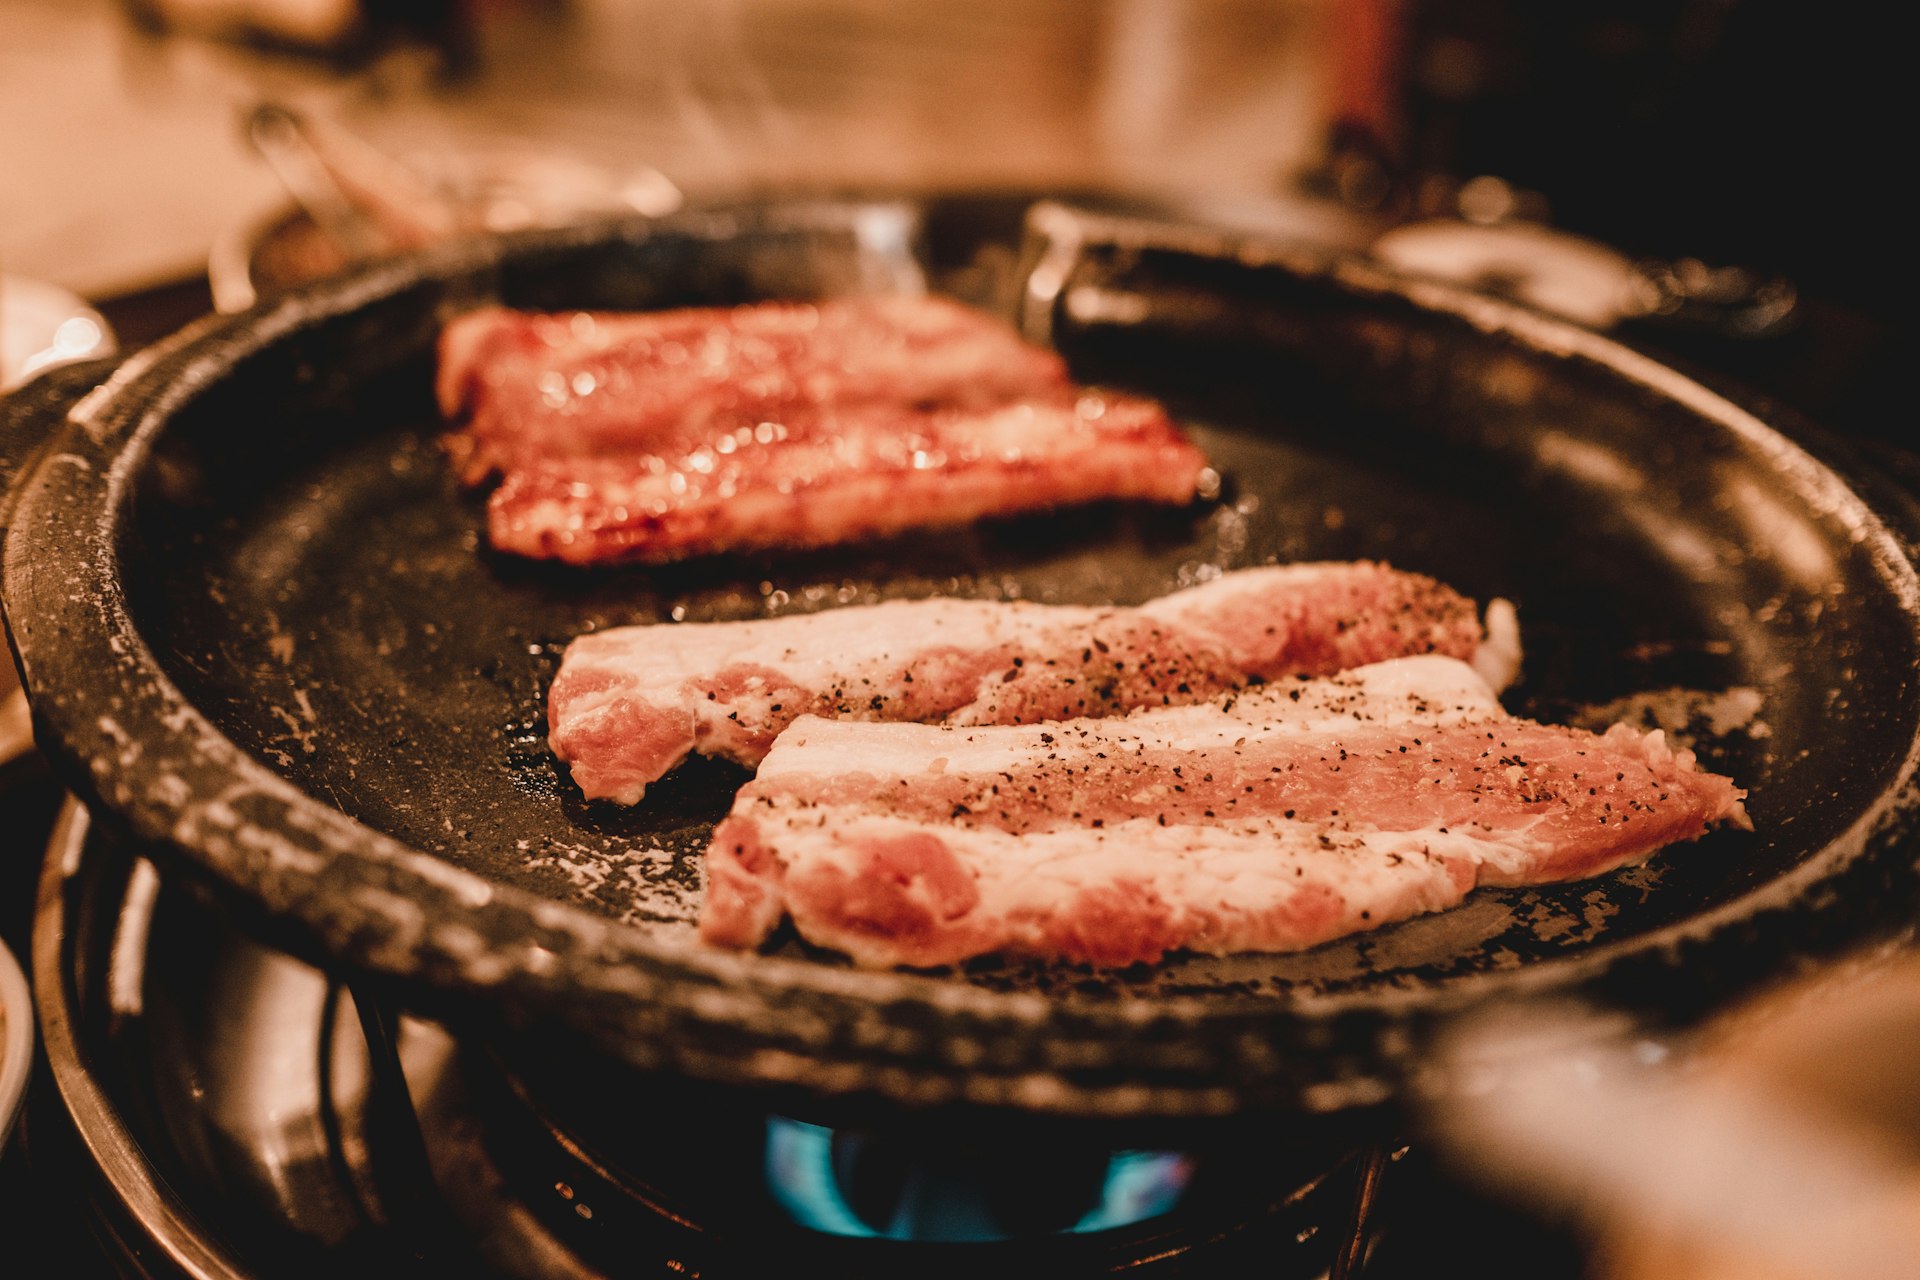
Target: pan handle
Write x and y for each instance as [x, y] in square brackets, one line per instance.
[31, 413]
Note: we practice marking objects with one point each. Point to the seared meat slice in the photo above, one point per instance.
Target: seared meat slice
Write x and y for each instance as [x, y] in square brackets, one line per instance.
[1268, 820]
[664, 435]
[823, 474]
[630, 703]
[527, 387]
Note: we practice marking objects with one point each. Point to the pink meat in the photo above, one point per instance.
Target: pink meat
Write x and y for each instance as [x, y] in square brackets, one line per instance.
[663, 435]
[1269, 820]
[530, 387]
[630, 703]
[818, 475]
[888, 891]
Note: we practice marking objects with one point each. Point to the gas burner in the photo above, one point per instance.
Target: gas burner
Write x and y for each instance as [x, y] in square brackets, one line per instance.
[235, 1112]
[739, 1185]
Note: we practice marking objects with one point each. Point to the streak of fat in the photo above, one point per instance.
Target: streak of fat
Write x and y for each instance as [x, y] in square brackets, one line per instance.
[1499, 657]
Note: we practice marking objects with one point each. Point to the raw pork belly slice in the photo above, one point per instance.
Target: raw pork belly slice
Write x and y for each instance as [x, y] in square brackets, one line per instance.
[1270, 820]
[630, 703]
[657, 436]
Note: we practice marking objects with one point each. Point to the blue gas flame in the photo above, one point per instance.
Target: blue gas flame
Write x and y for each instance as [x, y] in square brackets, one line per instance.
[1138, 1185]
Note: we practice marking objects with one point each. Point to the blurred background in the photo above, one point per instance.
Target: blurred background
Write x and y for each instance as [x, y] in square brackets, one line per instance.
[718, 94]
[1720, 134]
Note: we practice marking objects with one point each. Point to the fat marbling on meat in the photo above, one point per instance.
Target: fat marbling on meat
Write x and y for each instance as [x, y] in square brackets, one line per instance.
[655, 436]
[1271, 819]
[629, 703]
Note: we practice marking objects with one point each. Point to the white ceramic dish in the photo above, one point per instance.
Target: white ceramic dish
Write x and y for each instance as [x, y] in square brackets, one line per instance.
[43, 325]
[16, 1040]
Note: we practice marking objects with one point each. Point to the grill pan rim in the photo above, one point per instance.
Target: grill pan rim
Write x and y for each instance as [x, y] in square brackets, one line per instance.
[185, 786]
